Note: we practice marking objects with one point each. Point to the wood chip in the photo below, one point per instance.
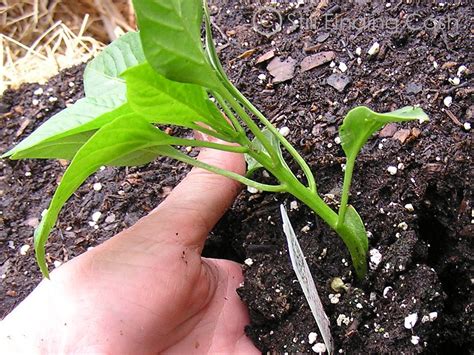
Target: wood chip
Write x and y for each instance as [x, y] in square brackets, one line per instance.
[312, 48]
[264, 57]
[317, 60]
[12, 293]
[338, 81]
[247, 54]
[322, 37]
[18, 109]
[448, 65]
[453, 118]
[402, 135]
[32, 222]
[319, 9]
[133, 179]
[22, 127]
[282, 70]
[415, 132]
[388, 131]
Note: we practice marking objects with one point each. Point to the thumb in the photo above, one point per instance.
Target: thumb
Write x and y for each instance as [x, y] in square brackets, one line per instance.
[194, 206]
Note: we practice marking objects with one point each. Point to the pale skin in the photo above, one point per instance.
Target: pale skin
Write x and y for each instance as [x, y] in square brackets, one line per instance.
[147, 290]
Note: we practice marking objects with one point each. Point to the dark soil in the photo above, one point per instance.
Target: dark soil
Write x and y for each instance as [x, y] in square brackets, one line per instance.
[426, 253]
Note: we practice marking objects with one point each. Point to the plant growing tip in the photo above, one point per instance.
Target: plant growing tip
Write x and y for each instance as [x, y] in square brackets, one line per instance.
[356, 129]
[163, 75]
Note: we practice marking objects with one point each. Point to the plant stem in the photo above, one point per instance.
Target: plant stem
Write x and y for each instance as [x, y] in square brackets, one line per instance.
[345, 190]
[228, 95]
[212, 145]
[309, 198]
[301, 162]
[210, 47]
[211, 133]
[229, 113]
[191, 161]
[253, 127]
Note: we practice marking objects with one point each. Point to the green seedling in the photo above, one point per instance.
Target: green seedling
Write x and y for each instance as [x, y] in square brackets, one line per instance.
[164, 75]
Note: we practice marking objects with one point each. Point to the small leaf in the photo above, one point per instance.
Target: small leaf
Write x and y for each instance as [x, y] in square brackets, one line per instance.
[122, 141]
[354, 236]
[164, 101]
[361, 122]
[171, 35]
[257, 146]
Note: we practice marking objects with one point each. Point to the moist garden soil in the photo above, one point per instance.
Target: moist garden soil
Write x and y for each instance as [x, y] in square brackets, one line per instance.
[419, 220]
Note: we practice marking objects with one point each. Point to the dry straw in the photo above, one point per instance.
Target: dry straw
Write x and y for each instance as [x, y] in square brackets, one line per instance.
[40, 37]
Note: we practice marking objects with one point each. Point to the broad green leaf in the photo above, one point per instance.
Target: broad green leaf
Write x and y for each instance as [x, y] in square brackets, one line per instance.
[257, 146]
[137, 158]
[164, 101]
[86, 114]
[102, 74]
[63, 148]
[105, 92]
[361, 122]
[171, 35]
[121, 141]
[354, 236]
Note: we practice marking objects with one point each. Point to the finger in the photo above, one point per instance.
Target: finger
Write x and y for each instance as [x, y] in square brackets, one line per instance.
[194, 206]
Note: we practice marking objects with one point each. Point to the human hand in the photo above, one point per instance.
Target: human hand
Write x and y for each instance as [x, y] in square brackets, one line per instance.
[146, 290]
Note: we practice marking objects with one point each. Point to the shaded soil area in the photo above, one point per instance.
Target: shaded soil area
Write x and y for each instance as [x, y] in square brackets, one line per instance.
[419, 219]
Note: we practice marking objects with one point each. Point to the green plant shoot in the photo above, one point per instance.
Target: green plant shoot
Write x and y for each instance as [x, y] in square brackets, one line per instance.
[164, 75]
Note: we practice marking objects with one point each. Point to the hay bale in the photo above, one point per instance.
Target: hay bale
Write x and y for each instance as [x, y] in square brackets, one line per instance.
[41, 37]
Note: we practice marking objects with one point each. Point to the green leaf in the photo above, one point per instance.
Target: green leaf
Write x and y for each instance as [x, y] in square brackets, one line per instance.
[86, 114]
[122, 141]
[171, 35]
[63, 148]
[361, 122]
[354, 236]
[105, 92]
[102, 74]
[257, 146]
[163, 101]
